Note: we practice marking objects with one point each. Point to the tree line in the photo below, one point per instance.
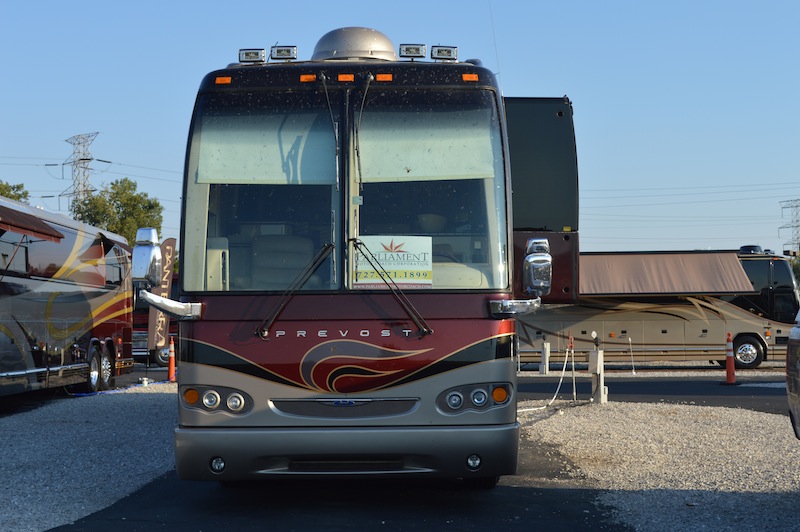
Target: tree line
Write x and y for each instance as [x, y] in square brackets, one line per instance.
[117, 207]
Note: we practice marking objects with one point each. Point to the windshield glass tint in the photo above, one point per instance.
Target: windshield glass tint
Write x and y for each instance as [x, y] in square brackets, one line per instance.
[431, 171]
[262, 192]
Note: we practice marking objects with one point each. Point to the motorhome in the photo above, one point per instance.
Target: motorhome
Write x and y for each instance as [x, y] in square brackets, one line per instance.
[649, 306]
[65, 302]
[350, 279]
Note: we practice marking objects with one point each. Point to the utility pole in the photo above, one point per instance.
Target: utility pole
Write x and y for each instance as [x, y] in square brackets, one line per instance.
[793, 246]
[81, 188]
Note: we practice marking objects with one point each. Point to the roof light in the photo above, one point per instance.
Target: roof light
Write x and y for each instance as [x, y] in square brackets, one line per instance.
[308, 78]
[346, 77]
[252, 55]
[223, 80]
[445, 53]
[469, 77]
[283, 53]
[383, 77]
[412, 50]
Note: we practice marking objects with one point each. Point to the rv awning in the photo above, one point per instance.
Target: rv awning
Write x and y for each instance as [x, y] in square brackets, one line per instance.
[662, 273]
[27, 224]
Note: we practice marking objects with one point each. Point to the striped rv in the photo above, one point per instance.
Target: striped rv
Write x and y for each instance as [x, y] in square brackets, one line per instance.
[65, 302]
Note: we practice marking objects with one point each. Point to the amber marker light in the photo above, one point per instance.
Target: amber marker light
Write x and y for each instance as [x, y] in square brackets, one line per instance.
[191, 396]
[383, 77]
[307, 78]
[223, 80]
[469, 77]
[500, 394]
[346, 77]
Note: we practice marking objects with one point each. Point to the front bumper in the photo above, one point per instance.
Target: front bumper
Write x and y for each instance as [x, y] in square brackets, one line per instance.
[259, 453]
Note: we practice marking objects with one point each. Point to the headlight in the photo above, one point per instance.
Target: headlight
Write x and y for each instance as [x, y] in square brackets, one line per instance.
[211, 399]
[479, 397]
[235, 402]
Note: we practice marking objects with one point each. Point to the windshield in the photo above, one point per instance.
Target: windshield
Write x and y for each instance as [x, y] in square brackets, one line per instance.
[261, 196]
[432, 205]
[422, 171]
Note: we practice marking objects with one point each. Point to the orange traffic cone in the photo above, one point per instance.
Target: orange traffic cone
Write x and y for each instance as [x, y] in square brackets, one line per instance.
[730, 363]
[171, 371]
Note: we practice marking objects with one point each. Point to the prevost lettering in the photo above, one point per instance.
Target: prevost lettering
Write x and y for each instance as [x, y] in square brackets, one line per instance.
[340, 333]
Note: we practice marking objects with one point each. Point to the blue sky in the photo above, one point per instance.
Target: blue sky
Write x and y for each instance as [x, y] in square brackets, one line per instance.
[686, 112]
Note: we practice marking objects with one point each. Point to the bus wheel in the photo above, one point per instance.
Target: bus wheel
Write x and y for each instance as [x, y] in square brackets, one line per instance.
[106, 376]
[481, 483]
[93, 379]
[747, 352]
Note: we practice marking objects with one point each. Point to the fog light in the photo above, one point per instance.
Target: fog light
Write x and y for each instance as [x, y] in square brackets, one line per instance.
[211, 399]
[235, 402]
[473, 462]
[455, 400]
[479, 397]
[217, 464]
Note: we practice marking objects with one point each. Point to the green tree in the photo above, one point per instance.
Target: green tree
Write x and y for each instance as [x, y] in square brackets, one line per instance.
[120, 209]
[15, 192]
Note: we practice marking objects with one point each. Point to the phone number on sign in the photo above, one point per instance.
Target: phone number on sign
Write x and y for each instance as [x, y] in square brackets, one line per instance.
[393, 274]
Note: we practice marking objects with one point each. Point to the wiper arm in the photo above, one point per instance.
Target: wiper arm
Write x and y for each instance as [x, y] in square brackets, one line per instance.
[398, 294]
[263, 330]
[370, 77]
[333, 124]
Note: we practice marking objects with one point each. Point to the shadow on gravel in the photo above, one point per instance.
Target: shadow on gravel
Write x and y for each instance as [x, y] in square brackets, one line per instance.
[170, 504]
[546, 494]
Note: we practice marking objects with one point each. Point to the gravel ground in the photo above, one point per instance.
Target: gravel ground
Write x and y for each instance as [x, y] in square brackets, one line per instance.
[669, 467]
[62, 462]
[665, 467]
[659, 466]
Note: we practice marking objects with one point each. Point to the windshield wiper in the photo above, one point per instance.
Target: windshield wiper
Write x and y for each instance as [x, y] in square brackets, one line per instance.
[398, 294]
[370, 77]
[263, 329]
[334, 124]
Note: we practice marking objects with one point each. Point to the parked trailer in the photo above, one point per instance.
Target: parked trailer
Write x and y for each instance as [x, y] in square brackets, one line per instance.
[65, 302]
[347, 295]
[672, 306]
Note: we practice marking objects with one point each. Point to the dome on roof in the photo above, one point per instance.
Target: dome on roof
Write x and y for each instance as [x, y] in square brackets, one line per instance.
[354, 43]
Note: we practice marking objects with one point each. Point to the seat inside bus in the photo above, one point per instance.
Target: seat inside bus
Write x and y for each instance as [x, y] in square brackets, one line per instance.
[277, 260]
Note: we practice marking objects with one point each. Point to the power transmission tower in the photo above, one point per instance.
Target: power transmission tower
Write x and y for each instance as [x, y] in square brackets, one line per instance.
[79, 161]
[794, 243]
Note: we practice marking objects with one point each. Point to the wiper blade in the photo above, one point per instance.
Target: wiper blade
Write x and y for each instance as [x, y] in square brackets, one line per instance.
[263, 329]
[398, 294]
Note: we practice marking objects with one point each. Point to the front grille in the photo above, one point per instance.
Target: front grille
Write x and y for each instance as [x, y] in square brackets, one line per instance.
[345, 465]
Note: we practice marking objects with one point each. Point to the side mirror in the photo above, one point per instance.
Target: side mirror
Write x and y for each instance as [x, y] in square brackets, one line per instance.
[537, 268]
[146, 257]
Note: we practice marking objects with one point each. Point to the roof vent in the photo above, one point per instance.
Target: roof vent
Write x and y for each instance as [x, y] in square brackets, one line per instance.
[354, 43]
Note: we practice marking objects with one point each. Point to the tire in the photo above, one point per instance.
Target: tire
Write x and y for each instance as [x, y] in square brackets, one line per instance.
[748, 352]
[106, 376]
[161, 357]
[92, 384]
